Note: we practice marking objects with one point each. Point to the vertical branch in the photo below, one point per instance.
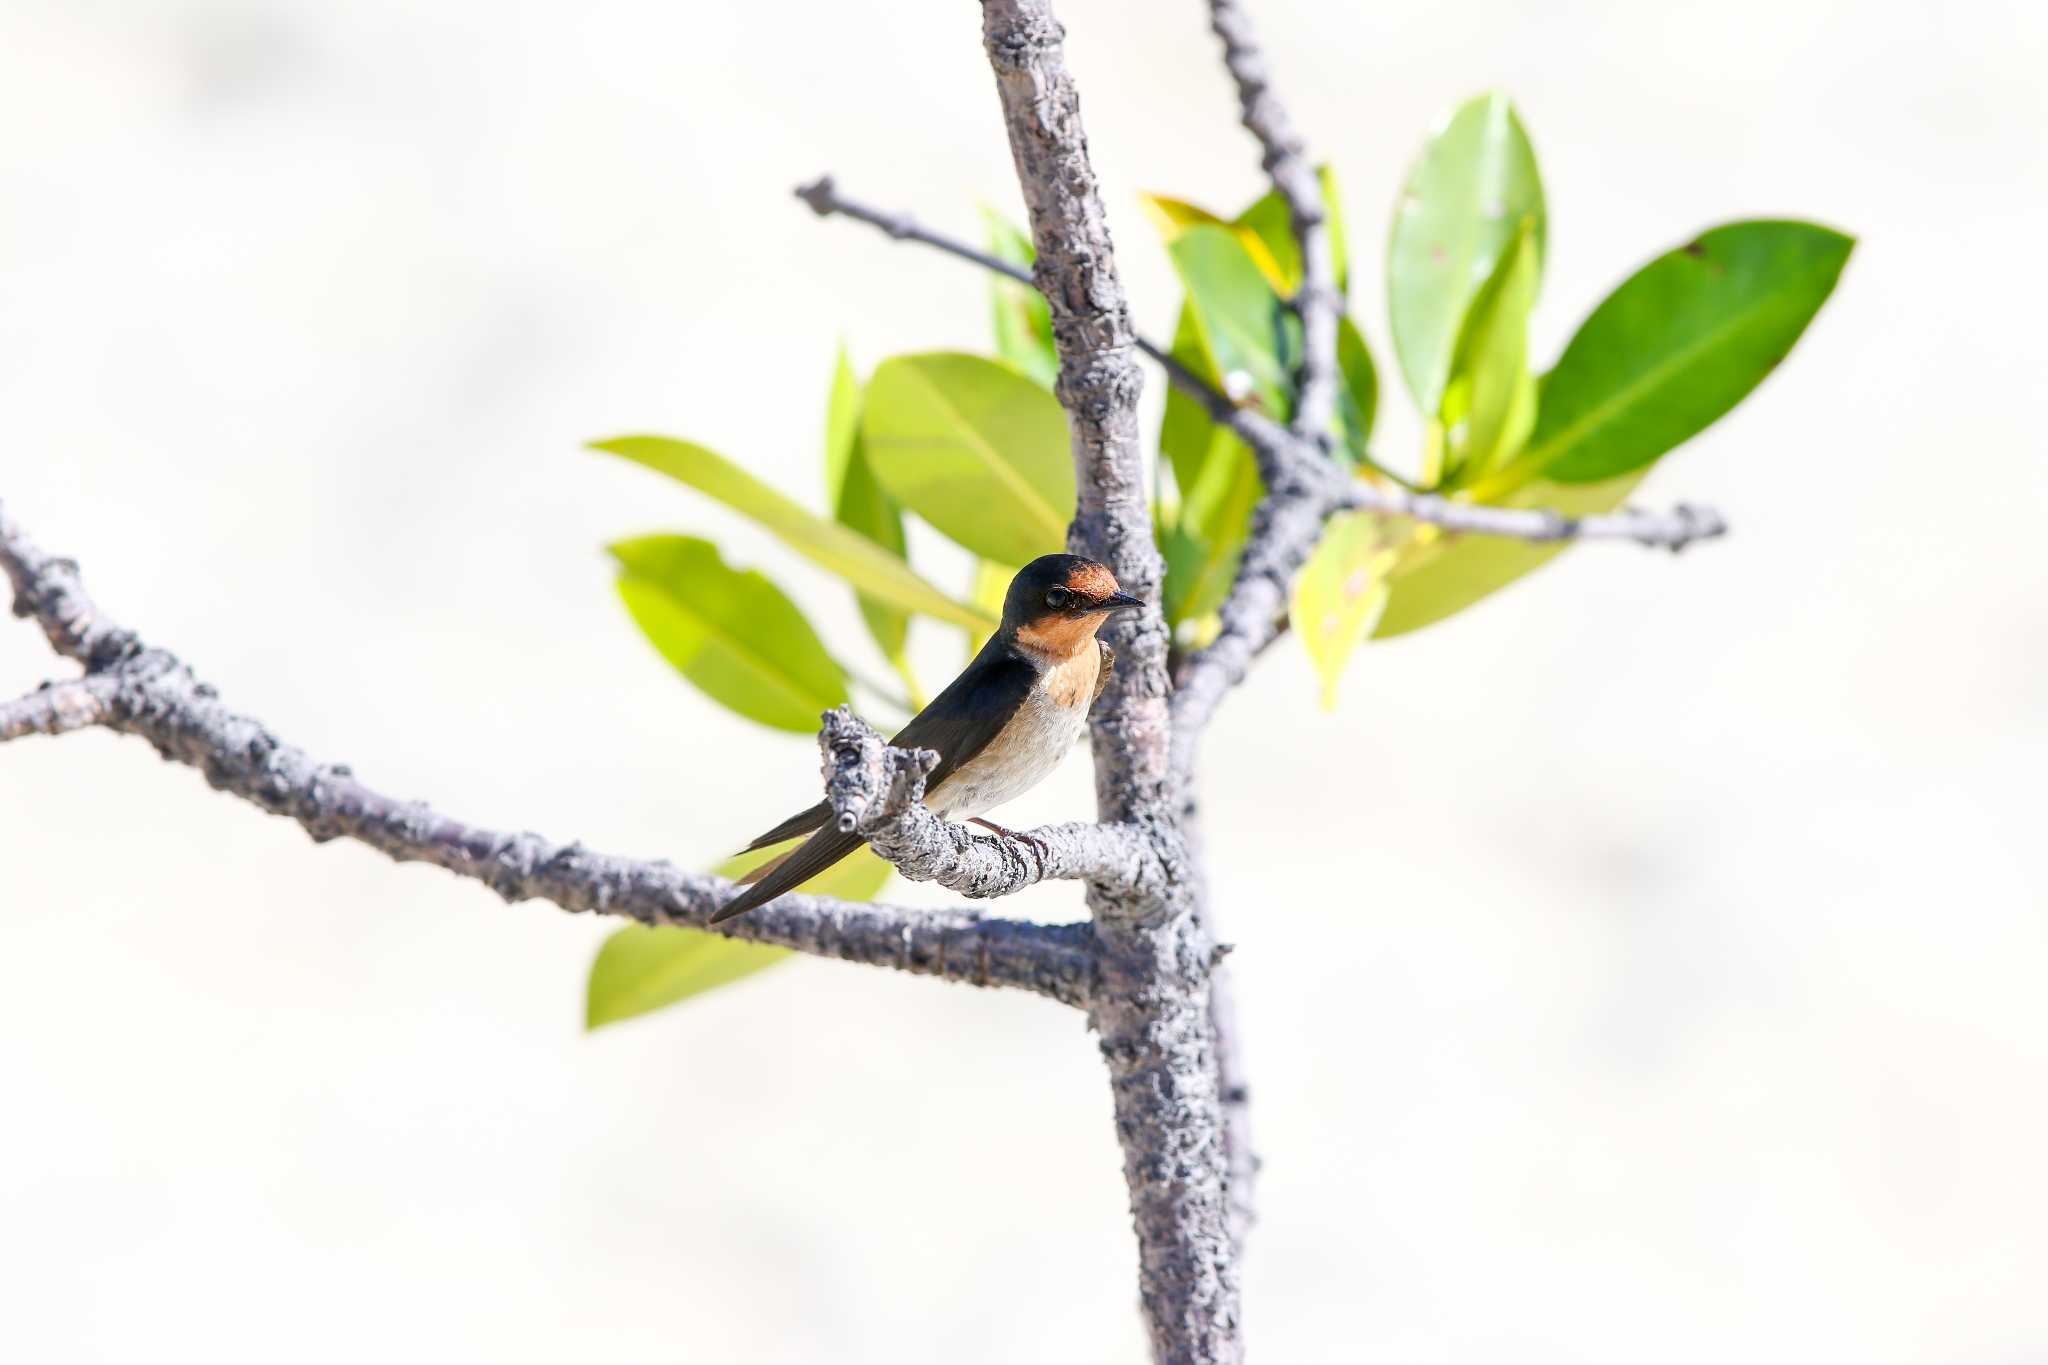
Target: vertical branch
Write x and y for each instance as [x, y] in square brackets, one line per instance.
[1152, 1011]
[1318, 303]
[1099, 385]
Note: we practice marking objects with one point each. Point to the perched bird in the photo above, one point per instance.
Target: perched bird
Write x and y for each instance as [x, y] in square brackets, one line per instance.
[998, 728]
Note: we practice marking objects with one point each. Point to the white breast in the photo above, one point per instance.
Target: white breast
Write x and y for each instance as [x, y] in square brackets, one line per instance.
[1046, 726]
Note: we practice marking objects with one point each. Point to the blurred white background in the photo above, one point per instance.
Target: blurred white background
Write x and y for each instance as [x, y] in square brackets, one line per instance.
[1649, 962]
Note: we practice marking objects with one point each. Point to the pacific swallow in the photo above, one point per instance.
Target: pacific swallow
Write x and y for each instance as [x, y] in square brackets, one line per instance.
[998, 728]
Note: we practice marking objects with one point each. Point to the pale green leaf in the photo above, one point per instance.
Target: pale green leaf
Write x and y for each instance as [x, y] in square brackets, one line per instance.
[859, 504]
[1473, 187]
[976, 449]
[1490, 402]
[1339, 594]
[733, 634]
[867, 566]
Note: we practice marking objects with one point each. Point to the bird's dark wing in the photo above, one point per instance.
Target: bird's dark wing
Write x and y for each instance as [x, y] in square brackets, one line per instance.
[1103, 672]
[791, 870]
[959, 723]
[962, 720]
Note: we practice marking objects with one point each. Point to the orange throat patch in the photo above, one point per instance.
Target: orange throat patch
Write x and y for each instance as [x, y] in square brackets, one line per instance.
[1059, 640]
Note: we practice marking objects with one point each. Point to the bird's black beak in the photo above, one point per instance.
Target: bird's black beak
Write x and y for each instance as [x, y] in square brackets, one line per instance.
[1121, 601]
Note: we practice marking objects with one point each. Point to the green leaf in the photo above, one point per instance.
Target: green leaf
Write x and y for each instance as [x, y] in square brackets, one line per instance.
[1473, 187]
[1204, 546]
[1448, 573]
[1173, 217]
[860, 561]
[1490, 402]
[1244, 326]
[1189, 440]
[1023, 322]
[1270, 221]
[1679, 344]
[1341, 592]
[1358, 396]
[733, 634]
[859, 504]
[643, 968]
[976, 449]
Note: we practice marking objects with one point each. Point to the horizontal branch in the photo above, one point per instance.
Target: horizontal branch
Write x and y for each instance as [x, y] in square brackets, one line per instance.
[148, 692]
[1267, 438]
[879, 791]
[1673, 530]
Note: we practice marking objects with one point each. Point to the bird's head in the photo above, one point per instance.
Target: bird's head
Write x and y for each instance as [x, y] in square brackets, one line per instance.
[1056, 603]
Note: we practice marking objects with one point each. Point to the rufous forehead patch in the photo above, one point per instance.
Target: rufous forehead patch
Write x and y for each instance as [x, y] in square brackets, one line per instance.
[1092, 580]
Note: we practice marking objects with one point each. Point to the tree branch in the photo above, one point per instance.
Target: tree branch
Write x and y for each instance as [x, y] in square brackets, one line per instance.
[1274, 443]
[1674, 530]
[1318, 302]
[879, 791]
[1152, 1010]
[148, 692]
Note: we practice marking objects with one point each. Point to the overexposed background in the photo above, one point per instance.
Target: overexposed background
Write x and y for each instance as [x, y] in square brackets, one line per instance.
[1648, 963]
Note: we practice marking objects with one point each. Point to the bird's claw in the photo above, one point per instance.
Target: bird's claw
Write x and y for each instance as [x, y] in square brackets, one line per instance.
[1039, 851]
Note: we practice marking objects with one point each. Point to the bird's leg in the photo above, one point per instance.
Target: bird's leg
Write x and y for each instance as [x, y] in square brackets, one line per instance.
[1037, 846]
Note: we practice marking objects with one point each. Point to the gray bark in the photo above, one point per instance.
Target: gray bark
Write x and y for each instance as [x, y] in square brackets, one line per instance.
[1152, 1013]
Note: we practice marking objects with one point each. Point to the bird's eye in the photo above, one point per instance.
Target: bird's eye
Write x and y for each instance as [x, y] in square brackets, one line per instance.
[1057, 598]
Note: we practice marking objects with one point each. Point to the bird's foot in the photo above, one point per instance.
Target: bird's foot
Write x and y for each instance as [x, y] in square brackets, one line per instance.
[1031, 841]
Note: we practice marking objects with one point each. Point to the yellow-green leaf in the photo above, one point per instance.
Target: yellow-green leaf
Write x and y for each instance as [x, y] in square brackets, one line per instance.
[642, 968]
[1489, 405]
[860, 561]
[1271, 220]
[1173, 217]
[859, 504]
[733, 634]
[1341, 592]
[975, 448]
